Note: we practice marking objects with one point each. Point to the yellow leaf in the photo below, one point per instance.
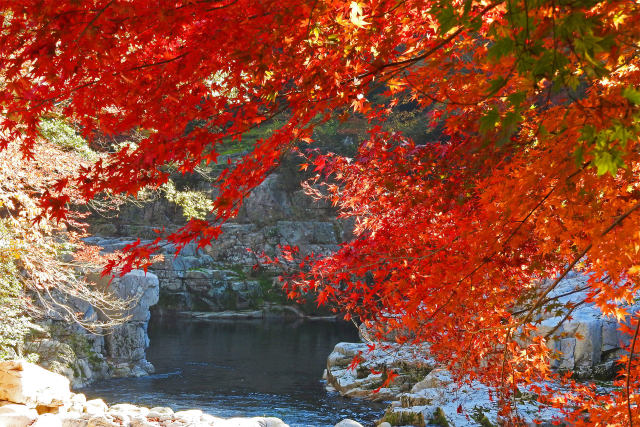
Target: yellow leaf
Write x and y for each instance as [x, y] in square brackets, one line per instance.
[356, 16]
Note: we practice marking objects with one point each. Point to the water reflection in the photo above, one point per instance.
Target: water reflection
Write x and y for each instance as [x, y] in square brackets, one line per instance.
[243, 368]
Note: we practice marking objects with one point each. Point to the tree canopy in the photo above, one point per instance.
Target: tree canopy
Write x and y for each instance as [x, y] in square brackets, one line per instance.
[534, 173]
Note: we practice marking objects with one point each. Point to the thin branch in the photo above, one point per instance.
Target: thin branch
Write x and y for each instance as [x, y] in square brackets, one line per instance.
[95, 18]
[633, 346]
[540, 299]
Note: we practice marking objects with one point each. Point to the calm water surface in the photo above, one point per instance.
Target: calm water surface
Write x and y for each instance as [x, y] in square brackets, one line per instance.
[242, 368]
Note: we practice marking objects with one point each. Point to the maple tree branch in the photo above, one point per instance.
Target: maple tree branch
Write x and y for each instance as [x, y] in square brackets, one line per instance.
[95, 18]
[627, 385]
[407, 62]
[555, 283]
[564, 319]
[575, 291]
[153, 64]
[521, 223]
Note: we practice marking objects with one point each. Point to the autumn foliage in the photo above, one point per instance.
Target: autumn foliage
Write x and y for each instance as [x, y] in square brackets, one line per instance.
[535, 172]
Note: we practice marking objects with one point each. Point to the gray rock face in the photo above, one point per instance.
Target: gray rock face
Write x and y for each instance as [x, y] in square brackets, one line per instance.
[267, 203]
[276, 213]
[588, 343]
[84, 357]
[140, 287]
[125, 345]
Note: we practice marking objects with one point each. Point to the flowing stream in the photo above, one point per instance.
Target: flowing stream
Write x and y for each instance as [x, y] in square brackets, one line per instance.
[242, 368]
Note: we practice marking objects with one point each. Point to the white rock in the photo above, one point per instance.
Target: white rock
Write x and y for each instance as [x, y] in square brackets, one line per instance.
[103, 421]
[272, 422]
[208, 419]
[384, 424]
[75, 420]
[23, 382]
[120, 419]
[161, 413]
[48, 420]
[140, 421]
[77, 403]
[437, 378]
[78, 398]
[251, 422]
[348, 423]
[128, 409]
[161, 410]
[188, 416]
[95, 407]
[14, 415]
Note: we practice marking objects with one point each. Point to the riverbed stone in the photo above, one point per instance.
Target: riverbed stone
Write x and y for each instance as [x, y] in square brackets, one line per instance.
[410, 362]
[16, 415]
[98, 414]
[74, 420]
[103, 421]
[348, 423]
[272, 422]
[95, 407]
[191, 415]
[251, 422]
[29, 384]
[128, 409]
[77, 403]
[48, 420]
[140, 421]
[160, 413]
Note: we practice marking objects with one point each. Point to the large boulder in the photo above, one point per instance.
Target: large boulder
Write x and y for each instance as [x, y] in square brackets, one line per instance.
[585, 342]
[365, 381]
[15, 415]
[267, 203]
[141, 288]
[31, 385]
[125, 344]
[348, 423]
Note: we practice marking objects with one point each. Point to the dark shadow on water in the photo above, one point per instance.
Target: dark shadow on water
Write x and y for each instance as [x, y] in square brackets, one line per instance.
[242, 368]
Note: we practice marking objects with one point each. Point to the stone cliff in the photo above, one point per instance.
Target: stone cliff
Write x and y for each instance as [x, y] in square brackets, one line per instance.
[84, 357]
[222, 276]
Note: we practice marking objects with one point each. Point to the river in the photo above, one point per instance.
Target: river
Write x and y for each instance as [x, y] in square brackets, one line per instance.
[242, 368]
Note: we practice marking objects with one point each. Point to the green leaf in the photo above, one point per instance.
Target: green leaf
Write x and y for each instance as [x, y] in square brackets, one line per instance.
[446, 18]
[489, 120]
[502, 47]
[632, 95]
[607, 161]
[517, 98]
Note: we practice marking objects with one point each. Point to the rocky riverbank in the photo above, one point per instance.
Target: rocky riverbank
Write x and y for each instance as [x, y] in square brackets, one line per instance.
[32, 396]
[84, 357]
[585, 344]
